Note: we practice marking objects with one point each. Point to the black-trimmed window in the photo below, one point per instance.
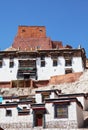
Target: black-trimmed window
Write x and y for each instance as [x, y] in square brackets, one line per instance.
[8, 112]
[67, 71]
[68, 62]
[1, 63]
[11, 64]
[55, 62]
[61, 111]
[42, 61]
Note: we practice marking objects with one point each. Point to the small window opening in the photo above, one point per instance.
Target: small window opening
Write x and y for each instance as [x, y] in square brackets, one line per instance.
[8, 113]
[23, 30]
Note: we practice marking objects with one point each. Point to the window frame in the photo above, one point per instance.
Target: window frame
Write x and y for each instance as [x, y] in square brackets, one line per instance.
[55, 62]
[68, 71]
[68, 62]
[1, 63]
[61, 111]
[11, 64]
[42, 59]
[9, 112]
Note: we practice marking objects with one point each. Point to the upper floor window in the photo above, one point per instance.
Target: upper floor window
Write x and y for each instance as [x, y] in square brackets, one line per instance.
[1, 63]
[42, 61]
[68, 62]
[61, 111]
[55, 62]
[11, 64]
[8, 113]
[54, 57]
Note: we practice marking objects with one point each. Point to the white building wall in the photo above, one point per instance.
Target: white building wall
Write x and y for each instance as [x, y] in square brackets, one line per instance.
[7, 73]
[53, 95]
[83, 102]
[80, 118]
[43, 73]
[38, 98]
[15, 118]
[77, 64]
[71, 113]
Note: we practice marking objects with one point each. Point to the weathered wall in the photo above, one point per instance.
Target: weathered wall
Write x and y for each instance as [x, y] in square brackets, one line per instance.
[68, 78]
[31, 31]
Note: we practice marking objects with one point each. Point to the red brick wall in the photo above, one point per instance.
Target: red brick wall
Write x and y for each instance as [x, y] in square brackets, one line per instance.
[32, 43]
[32, 38]
[31, 31]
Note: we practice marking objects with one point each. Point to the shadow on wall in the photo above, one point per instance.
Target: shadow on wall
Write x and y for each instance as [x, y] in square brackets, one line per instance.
[86, 123]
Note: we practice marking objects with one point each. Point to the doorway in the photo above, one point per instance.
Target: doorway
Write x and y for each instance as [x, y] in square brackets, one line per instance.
[39, 120]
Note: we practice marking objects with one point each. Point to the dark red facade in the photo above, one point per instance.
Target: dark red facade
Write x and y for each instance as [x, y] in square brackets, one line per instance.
[34, 38]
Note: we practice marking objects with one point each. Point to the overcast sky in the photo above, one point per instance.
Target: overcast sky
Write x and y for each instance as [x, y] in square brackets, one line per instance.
[65, 20]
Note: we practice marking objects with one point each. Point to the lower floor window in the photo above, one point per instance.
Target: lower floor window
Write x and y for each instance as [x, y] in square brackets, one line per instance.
[8, 113]
[61, 111]
[67, 71]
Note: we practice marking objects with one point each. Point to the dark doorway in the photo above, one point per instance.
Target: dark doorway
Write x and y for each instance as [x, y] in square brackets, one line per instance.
[39, 120]
[26, 76]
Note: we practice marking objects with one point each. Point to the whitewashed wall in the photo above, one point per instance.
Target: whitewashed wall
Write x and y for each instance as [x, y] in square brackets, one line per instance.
[14, 118]
[43, 73]
[49, 70]
[80, 118]
[74, 114]
[6, 73]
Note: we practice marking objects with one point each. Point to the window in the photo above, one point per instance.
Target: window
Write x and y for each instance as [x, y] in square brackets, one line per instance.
[0, 63]
[42, 61]
[45, 96]
[67, 71]
[55, 62]
[61, 111]
[42, 57]
[11, 64]
[8, 113]
[68, 62]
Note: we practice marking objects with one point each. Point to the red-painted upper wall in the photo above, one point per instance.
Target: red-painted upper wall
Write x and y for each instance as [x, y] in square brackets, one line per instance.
[31, 32]
[33, 38]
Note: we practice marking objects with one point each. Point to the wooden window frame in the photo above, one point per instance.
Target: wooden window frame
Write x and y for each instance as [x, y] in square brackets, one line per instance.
[68, 62]
[61, 111]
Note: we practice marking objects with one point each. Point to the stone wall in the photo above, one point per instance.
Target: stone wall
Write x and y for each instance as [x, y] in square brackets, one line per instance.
[15, 125]
[61, 124]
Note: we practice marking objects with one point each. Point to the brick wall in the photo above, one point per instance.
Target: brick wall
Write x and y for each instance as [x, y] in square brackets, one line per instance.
[32, 43]
[34, 37]
[31, 31]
